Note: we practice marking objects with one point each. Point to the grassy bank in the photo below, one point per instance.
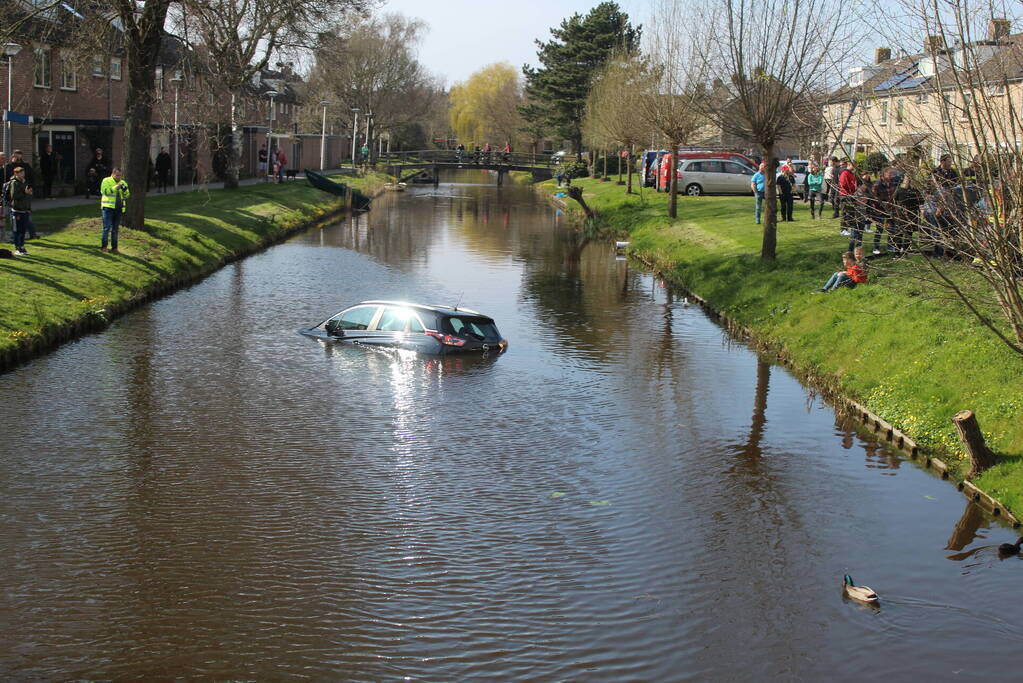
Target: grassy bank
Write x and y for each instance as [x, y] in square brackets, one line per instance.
[897, 345]
[67, 285]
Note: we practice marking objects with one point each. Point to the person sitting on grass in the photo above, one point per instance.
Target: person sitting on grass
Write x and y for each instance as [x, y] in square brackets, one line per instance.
[850, 277]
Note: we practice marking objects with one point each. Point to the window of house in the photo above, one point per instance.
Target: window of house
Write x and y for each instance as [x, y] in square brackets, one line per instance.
[946, 107]
[68, 76]
[967, 101]
[921, 98]
[884, 113]
[42, 57]
[97, 65]
[115, 68]
[996, 89]
[838, 116]
[899, 112]
[158, 82]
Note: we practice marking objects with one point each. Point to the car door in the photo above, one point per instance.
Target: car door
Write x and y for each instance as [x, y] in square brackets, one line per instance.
[736, 177]
[691, 172]
[391, 327]
[353, 323]
[715, 175]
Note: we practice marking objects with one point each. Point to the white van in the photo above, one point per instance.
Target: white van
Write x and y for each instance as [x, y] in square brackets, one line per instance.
[714, 176]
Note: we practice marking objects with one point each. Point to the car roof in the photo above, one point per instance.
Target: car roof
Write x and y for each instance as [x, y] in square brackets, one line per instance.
[436, 308]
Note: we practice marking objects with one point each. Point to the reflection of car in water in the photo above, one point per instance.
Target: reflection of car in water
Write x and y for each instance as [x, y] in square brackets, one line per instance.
[439, 330]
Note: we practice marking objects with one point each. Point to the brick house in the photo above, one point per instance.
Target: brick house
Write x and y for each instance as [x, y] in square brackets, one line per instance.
[75, 96]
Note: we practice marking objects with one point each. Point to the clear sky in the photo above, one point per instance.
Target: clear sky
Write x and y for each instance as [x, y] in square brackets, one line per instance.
[465, 35]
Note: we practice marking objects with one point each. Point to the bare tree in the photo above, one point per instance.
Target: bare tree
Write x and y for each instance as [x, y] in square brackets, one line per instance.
[238, 38]
[768, 59]
[673, 101]
[372, 65]
[611, 118]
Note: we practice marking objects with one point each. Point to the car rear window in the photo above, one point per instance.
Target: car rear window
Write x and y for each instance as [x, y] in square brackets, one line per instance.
[472, 327]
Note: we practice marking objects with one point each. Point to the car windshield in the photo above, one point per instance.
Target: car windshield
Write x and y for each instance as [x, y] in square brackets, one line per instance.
[472, 328]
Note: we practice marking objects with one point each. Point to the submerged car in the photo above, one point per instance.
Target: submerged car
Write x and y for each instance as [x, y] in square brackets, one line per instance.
[439, 330]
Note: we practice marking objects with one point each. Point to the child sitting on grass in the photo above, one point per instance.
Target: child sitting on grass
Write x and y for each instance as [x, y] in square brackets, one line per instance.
[850, 277]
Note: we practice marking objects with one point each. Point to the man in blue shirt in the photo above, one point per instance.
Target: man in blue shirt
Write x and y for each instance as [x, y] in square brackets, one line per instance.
[757, 185]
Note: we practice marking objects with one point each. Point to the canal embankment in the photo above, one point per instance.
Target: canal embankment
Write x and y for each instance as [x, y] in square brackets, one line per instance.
[898, 350]
[67, 287]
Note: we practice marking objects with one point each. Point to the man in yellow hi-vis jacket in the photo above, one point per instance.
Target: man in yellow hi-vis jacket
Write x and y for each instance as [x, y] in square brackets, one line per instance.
[114, 195]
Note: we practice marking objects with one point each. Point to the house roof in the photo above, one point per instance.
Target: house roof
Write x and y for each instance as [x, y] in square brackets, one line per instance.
[902, 75]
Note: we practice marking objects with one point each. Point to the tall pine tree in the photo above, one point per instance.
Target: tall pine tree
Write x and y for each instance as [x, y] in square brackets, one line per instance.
[581, 45]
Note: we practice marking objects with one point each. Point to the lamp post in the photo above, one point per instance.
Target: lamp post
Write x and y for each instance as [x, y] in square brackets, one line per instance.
[270, 129]
[355, 133]
[176, 80]
[369, 122]
[10, 49]
[323, 137]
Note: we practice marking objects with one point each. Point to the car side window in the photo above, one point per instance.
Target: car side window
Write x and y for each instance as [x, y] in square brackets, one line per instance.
[393, 320]
[739, 169]
[695, 167]
[414, 325]
[357, 318]
[712, 167]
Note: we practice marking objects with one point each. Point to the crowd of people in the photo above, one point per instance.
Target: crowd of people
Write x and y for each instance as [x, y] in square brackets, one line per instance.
[901, 202]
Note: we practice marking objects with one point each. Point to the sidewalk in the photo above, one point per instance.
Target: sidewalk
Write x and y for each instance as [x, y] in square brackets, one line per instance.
[59, 203]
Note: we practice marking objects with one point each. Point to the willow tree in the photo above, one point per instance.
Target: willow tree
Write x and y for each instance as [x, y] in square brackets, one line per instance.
[485, 107]
[611, 118]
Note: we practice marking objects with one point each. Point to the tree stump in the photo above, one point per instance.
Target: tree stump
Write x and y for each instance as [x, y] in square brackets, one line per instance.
[576, 193]
[981, 456]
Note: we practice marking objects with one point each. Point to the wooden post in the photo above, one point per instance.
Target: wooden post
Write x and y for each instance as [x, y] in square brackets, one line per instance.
[981, 456]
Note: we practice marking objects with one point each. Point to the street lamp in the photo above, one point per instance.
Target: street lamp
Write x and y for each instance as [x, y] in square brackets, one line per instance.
[323, 136]
[355, 133]
[270, 129]
[176, 80]
[10, 49]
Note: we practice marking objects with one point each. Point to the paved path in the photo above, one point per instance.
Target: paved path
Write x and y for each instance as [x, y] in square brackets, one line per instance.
[44, 204]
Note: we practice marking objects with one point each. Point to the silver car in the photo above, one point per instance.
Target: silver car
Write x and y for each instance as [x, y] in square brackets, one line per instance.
[714, 176]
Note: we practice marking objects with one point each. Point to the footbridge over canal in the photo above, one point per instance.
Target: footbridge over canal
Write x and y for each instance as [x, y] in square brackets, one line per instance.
[407, 165]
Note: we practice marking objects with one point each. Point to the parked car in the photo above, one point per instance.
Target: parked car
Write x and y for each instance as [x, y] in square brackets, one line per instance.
[714, 176]
[649, 163]
[439, 330]
[731, 156]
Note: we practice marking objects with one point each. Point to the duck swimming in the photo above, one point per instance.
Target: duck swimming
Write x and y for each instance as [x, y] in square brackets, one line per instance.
[861, 593]
[1010, 548]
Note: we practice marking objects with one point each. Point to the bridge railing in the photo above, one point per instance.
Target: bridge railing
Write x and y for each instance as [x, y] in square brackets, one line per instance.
[470, 157]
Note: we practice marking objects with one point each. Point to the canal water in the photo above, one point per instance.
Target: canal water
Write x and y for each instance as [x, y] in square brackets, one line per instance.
[626, 494]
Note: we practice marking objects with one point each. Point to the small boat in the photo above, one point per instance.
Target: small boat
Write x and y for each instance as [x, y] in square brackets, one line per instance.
[395, 187]
[861, 593]
[360, 202]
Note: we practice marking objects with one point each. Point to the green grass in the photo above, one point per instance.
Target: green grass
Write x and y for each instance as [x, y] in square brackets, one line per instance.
[899, 346]
[67, 283]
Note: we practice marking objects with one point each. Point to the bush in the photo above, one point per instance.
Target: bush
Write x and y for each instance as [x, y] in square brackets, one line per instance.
[608, 165]
[875, 162]
[576, 169]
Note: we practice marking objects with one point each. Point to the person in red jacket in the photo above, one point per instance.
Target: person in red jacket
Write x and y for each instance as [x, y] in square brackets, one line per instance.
[847, 184]
[853, 275]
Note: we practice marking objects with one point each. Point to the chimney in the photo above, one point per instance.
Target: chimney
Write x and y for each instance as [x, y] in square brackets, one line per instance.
[933, 44]
[998, 29]
[882, 54]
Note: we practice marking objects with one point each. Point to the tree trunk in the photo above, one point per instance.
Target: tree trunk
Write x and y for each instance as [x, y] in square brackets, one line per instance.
[981, 456]
[629, 170]
[143, 33]
[233, 163]
[673, 180]
[576, 193]
[768, 248]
